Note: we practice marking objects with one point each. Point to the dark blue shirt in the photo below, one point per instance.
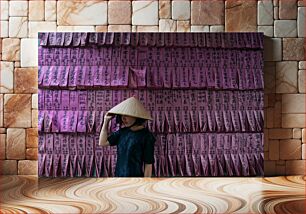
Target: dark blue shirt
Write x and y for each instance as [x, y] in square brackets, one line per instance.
[134, 148]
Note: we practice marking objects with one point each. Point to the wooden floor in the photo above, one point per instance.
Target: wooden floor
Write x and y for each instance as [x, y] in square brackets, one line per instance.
[30, 194]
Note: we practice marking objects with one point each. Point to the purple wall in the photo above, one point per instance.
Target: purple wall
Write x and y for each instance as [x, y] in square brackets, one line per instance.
[204, 91]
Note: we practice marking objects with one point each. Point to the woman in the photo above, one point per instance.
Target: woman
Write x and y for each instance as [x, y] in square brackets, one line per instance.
[135, 143]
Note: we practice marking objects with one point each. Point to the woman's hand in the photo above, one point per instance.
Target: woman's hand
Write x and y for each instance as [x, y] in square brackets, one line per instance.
[108, 116]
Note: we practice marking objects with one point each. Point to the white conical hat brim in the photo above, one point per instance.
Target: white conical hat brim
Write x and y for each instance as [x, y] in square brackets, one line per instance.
[131, 107]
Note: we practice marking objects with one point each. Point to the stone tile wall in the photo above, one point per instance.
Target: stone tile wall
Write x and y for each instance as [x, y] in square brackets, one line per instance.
[282, 21]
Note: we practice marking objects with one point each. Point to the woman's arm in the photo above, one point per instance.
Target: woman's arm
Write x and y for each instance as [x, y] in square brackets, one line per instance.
[148, 170]
[103, 134]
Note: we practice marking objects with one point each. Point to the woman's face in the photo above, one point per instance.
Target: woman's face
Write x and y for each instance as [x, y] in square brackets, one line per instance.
[128, 120]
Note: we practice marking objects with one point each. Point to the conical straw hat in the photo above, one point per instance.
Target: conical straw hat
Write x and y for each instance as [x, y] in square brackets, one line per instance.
[131, 107]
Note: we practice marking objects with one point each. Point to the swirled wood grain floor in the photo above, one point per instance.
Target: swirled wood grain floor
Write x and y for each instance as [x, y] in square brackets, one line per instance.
[30, 194]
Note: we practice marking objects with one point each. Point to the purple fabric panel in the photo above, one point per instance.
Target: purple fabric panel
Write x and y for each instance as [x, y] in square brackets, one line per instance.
[172, 150]
[41, 116]
[55, 125]
[65, 155]
[81, 145]
[98, 156]
[73, 154]
[56, 99]
[90, 139]
[204, 154]
[64, 99]
[73, 100]
[82, 118]
[188, 155]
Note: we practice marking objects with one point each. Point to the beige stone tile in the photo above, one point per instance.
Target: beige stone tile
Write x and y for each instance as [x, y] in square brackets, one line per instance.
[17, 110]
[286, 77]
[266, 103]
[101, 28]
[280, 170]
[36, 10]
[273, 49]
[32, 154]
[277, 123]
[15, 144]
[275, 13]
[270, 118]
[40, 26]
[239, 16]
[34, 101]
[280, 133]
[301, 81]
[293, 49]
[2, 130]
[32, 138]
[274, 150]
[303, 151]
[297, 133]
[293, 121]
[1, 110]
[266, 140]
[147, 28]
[167, 25]
[4, 9]
[207, 12]
[266, 156]
[267, 30]
[269, 168]
[11, 49]
[183, 26]
[50, 10]
[301, 22]
[265, 12]
[302, 65]
[119, 28]
[75, 29]
[2, 146]
[293, 103]
[145, 13]
[17, 64]
[280, 163]
[265, 118]
[26, 80]
[27, 167]
[82, 12]
[275, 3]
[4, 29]
[7, 77]
[304, 135]
[287, 9]
[290, 149]
[285, 28]
[216, 28]
[29, 53]
[134, 28]
[18, 8]
[34, 118]
[8, 167]
[269, 77]
[164, 9]
[18, 27]
[181, 10]
[301, 3]
[200, 28]
[295, 167]
[119, 12]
